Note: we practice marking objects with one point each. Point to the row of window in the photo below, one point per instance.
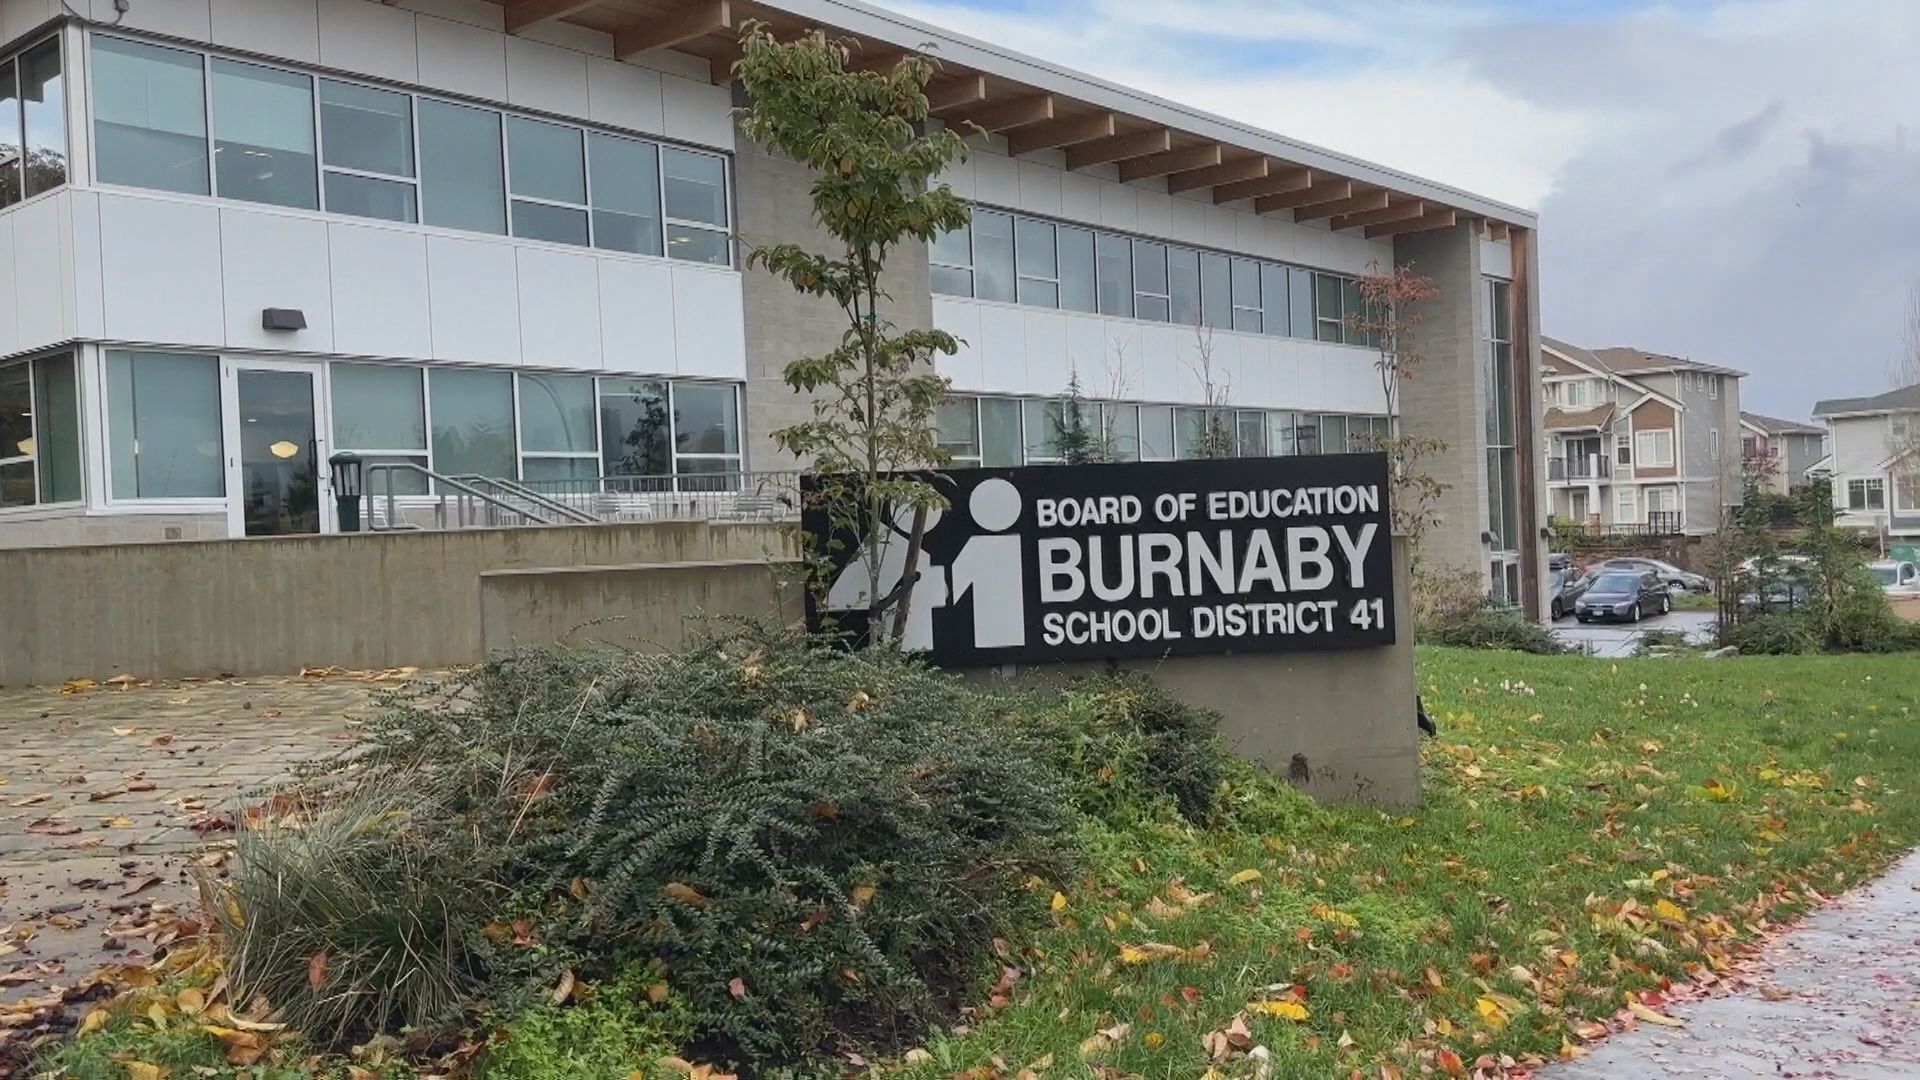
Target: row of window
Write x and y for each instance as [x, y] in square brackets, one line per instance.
[33, 122]
[998, 432]
[170, 119]
[39, 432]
[164, 433]
[1870, 493]
[1503, 483]
[1020, 259]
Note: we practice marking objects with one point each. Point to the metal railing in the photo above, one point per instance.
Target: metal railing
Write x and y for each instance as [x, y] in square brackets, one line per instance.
[401, 495]
[1584, 467]
[517, 493]
[452, 504]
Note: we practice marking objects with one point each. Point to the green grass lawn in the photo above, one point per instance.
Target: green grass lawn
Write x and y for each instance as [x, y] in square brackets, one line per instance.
[1591, 828]
[1695, 602]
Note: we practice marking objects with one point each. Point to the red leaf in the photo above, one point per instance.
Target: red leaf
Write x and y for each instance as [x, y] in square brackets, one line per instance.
[737, 987]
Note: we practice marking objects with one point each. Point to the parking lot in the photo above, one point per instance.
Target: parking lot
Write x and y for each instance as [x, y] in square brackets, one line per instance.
[1622, 639]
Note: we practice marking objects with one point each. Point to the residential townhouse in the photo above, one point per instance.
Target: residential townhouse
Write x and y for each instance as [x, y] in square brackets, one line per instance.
[1875, 465]
[1776, 455]
[504, 241]
[1639, 441]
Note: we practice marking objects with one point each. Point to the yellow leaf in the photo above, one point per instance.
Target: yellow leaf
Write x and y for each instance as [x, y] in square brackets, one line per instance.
[862, 894]
[1059, 902]
[234, 915]
[1667, 909]
[1245, 877]
[1154, 1040]
[140, 1070]
[1652, 1017]
[577, 888]
[1285, 1009]
[157, 1012]
[1491, 1012]
[95, 1020]
[1131, 955]
[685, 893]
[191, 1001]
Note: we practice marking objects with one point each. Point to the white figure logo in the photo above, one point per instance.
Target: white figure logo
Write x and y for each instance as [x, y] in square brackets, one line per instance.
[990, 568]
[851, 593]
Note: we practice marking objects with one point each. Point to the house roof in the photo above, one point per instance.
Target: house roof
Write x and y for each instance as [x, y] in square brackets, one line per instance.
[1770, 425]
[1040, 105]
[1594, 419]
[1907, 397]
[1556, 354]
[1630, 361]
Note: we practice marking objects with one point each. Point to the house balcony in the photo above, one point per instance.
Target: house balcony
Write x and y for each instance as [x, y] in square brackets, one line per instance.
[1581, 468]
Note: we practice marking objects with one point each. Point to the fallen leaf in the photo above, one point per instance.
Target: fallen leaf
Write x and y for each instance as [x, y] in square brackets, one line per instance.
[1285, 1009]
[565, 990]
[1245, 877]
[1058, 903]
[686, 894]
[1651, 1017]
[142, 885]
[737, 987]
[317, 970]
[48, 826]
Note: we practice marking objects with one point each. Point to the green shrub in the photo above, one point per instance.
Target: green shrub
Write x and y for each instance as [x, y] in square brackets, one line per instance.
[1660, 639]
[818, 845]
[1494, 626]
[1786, 633]
[1127, 750]
[615, 1032]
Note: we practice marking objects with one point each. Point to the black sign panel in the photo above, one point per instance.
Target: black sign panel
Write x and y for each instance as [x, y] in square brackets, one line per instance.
[1079, 562]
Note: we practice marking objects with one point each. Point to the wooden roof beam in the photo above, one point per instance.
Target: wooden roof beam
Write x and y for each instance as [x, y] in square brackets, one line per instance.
[1132, 146]
[524, 14]
[1185, 159]
[1394, 211]
[1498, 230]
[1066, 131]
[1432, 219]
[1324, 191]
[1226, 172]
[1007, 115]
[1353, 204]
[956, 92]
[1276, 182]
[706, 17]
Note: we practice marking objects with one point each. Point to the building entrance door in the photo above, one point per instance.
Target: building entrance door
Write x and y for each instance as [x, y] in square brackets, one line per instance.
[276, 449]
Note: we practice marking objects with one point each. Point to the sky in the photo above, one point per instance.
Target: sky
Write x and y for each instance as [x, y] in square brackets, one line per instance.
[1731, 181]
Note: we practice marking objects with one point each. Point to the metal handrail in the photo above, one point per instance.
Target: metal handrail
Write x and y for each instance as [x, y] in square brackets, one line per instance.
[439, 485]
[520, 491]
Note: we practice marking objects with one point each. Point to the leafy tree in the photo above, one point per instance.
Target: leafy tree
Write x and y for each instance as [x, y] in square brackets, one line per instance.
[864, 133]
[1390, 313]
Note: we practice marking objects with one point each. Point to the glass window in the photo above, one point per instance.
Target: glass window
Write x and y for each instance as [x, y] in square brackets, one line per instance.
[635, 428]
[1250, 434]
[1121, 425]
[1326, 308]
[1352, 306]
[1247, 298]
[1156, 432]
[43, 93]
[460, 170]
[546, 162]
[704, 419]
[11, 182]
[17, 476]
[696, 206]
[1280, 434]
[957, 429]
[1076, 270]
[1866, 494]
[625, 175]
[1000, 444]
[1038, 261]
[150, 117]
[1300, 322]
[951, 262]
[993, 256]
[263, 135]
[163, 426]
[1333, 434]
[1044, 420]
[1183, 285]
[1273, 299]
[557, 414]
[379, 412]
[1306, 434]
[367, 131]
[1216, 291]
[472, 432]
[1150, 281]
[1190, 431]
[1115, 271]
[56, 428]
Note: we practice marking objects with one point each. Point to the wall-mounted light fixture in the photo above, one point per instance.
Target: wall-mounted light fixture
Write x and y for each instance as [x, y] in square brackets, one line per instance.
[275, 318]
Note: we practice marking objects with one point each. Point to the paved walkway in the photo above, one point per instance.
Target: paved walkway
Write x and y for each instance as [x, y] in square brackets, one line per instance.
[108, 796]
[1838, 998]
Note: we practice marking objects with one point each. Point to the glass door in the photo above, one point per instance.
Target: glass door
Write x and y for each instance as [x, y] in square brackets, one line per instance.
[276, 464]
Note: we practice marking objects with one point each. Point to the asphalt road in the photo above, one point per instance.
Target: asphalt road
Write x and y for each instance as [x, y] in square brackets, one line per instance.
[1621, 639]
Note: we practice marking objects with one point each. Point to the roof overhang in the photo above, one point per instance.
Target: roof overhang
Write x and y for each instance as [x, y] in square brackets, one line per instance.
[1038, 106]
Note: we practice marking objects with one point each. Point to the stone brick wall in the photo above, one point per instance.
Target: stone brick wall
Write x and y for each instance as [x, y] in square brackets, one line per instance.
[76, 529]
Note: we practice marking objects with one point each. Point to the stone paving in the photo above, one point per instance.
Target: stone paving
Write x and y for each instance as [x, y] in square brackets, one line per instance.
[109, 796]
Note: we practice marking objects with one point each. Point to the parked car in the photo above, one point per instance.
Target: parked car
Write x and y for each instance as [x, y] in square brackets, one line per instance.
[1565, 586]
[1675, 578]
[1559, 560]
[1774, 581]
[1624, 594]
[1896, 578]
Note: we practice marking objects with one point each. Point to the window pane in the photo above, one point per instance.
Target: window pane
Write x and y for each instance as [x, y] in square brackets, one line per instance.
[1116, 275]
[546, 161]
[56, 413]
[1273, 299]
[1038, 262]
[1306, 434]
[263, 135]
[1076, 270]
[634, 438]
[1280, 434]
[999, 432]
[951, 281]
[472, 422]
[10, 165]
[1121, 426]
[1183, 285]
[16, 484]
[696, 186]
[699, 245]
[1039, 293]
[626, 194]
[556, 413]
[1042, 424]
[1333, 434]
[377, 407]
[952, 248]
[1216, 291]
[364, 196]
[1250, 434]
[560, 468]
[957, 427]
[150, 118]
[16, 435]
[1352, 306]
[44, 92]
[704, 419]
[539, 221]
[1247, 299]
[1156, 432]
[1151, 308]
[1190, 431]
[1326, 306]
[460, 171]
[367, 129]
[993, 256]
[1150, 267]
[163, 426]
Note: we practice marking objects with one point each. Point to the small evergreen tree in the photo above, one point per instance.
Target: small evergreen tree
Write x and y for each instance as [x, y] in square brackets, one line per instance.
[1075, 441]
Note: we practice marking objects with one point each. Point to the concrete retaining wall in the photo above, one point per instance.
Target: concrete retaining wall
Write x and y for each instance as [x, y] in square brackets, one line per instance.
[641, 607]
[276, 605]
